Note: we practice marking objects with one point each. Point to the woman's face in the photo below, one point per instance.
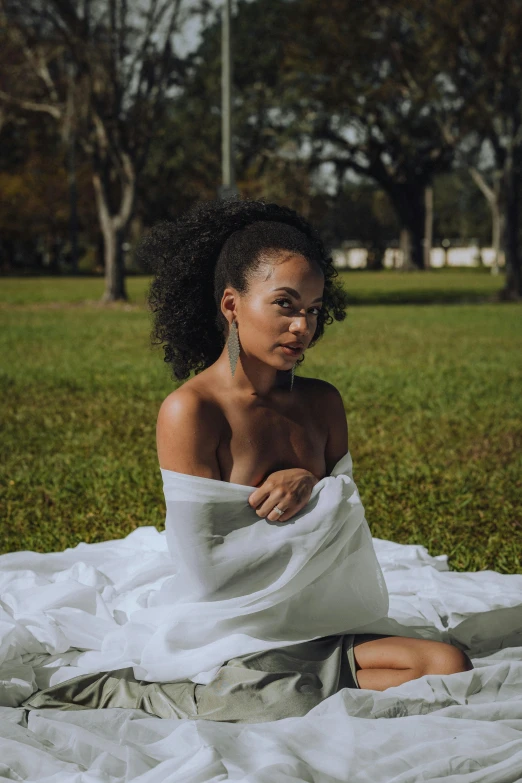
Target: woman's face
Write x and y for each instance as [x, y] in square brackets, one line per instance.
[280, 309]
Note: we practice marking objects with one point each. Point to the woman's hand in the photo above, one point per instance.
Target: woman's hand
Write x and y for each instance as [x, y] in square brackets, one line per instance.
[289, 490]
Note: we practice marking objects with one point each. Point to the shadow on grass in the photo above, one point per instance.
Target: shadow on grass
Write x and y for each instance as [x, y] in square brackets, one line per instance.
[441, 286]
[422, 297]
[362, 287]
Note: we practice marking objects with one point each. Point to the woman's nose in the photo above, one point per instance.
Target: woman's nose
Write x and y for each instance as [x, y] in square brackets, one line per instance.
[300, 324]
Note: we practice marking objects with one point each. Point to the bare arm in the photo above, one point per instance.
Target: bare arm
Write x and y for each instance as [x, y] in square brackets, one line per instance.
[337, 442]
[187, 435]
[291, 489]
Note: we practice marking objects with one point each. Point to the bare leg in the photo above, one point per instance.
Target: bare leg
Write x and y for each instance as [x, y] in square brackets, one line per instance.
[384, 663]
[380, 679]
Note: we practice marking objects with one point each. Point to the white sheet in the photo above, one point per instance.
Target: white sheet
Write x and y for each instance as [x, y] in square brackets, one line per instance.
[466, 727]
[244, 585]
[236, 584]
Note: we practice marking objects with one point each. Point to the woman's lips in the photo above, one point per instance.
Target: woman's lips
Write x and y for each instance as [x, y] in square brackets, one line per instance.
[297, 351]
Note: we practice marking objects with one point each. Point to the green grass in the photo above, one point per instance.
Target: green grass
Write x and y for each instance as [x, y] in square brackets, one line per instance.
[432, 395]
[387, 287]
[434, 286]
[16, 291]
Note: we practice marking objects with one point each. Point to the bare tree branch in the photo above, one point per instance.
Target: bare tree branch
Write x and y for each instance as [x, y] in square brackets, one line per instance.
[106, 76]
[45, 108]
[481, 183]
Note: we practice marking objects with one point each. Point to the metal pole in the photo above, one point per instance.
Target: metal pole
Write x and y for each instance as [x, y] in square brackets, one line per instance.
[228, 188]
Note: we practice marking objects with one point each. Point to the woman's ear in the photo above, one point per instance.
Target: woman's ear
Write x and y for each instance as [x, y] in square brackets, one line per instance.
[229, 304]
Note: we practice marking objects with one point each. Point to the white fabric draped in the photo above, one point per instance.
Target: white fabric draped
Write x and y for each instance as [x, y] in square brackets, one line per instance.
[243, 584]
[56, 609]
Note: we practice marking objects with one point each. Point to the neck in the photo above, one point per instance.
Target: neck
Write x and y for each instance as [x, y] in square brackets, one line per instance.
[252, 378]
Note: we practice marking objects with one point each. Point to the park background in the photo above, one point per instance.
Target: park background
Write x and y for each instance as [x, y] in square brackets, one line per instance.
[395, 127]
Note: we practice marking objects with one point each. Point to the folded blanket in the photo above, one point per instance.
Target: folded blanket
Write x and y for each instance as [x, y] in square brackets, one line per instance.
[243, 584]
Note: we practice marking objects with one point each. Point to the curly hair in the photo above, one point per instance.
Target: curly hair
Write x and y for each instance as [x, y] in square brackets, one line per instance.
[214, 245]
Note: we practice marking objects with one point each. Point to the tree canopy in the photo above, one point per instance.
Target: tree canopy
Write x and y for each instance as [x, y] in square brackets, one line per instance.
[349, 112]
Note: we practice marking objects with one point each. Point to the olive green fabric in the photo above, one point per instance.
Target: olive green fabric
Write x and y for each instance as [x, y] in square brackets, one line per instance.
[253, 688]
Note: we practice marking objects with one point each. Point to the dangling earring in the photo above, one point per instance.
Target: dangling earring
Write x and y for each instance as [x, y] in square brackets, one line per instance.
[233, 346]
[292, 377]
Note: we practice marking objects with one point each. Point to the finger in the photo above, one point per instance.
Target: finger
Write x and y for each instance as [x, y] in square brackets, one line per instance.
[285, 506]
[257, 497]
[291, 509]
[275, 517]
[274, 499]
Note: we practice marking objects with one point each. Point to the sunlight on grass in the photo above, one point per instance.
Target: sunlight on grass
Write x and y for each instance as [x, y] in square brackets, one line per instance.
[432, 396]
[437, 285]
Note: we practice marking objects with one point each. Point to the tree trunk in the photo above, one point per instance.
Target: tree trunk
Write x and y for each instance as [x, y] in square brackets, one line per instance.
[412, 246]
[492, 196]
[496, 234]
[114, 229]
[428, 226]
[112, 252]
[115, 289]
[408, 202]
[375, 257]
[513, 285]
[416, 234]
[405, 248]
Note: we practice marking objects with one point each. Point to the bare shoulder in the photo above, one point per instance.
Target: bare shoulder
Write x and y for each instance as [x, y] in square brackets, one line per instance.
[321, 392]
[188, 432]
[328, 406]
[187, 403]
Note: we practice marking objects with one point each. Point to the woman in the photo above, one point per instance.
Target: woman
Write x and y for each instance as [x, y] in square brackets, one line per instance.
[274, 290]
[241, 290]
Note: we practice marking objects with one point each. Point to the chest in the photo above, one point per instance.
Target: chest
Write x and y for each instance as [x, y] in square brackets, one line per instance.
[261, 439]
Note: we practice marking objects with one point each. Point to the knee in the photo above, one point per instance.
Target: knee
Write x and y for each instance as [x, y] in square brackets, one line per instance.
[447, 659]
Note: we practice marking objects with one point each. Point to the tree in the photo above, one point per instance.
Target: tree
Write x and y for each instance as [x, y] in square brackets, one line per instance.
[369, 100]
[187, 149]
[483, 64]
[461, 210]
[105, 71]
[34, 208]
[273, 134]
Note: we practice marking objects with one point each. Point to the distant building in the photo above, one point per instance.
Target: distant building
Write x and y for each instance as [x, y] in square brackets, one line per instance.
[469, 256]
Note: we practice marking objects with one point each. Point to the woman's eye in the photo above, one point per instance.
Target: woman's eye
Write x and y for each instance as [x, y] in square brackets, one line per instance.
[282, 302]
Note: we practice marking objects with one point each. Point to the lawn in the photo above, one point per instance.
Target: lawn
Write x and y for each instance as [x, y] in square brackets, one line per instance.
[432, 396]
[386, 287]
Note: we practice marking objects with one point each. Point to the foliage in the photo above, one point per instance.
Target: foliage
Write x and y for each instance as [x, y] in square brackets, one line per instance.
[431, 394]
[482, 62]
[295, 80]
[460, 209]
[368, 100]
[103, 71]
[34, 214]
[388, 90]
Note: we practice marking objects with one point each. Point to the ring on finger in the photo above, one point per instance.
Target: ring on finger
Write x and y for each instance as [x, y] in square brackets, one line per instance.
[278, 510]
